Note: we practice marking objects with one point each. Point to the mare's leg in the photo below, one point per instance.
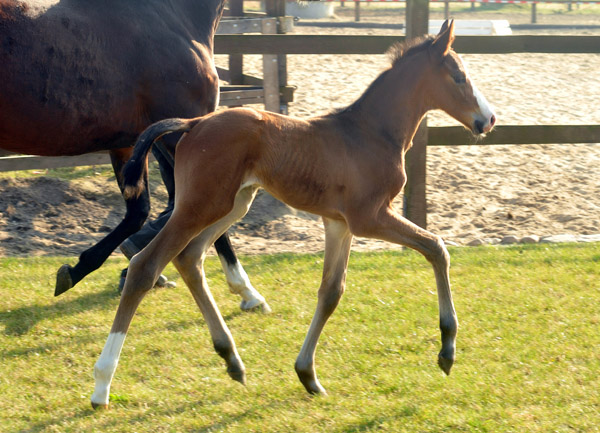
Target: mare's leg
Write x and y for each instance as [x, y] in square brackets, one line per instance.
[190, 263]
[338, 240]
[394, 228]
[144, 270]
[237, 279]
[92, 258]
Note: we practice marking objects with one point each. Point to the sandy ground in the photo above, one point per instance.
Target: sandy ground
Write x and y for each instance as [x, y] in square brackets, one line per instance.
[474, 192]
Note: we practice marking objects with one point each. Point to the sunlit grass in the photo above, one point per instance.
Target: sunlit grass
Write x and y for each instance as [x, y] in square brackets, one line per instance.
[527, 357]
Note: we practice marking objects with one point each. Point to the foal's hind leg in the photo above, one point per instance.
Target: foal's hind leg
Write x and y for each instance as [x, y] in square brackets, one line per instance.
[190, 263]
[338, 240]
[144, 269]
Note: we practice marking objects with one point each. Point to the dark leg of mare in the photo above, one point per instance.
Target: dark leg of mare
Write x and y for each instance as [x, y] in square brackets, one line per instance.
[91, 259]
[137, 241]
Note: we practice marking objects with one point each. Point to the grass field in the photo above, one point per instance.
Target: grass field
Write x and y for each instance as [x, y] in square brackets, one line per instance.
[528, 348]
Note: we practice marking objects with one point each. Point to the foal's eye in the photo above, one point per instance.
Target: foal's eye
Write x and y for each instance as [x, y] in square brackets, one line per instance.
[460, 79]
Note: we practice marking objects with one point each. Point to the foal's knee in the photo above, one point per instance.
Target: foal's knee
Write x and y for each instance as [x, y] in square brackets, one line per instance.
[141, 275]
[436, 252]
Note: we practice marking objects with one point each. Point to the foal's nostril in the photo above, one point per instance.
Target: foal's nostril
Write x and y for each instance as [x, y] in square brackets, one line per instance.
[492, 120]
[479, 126]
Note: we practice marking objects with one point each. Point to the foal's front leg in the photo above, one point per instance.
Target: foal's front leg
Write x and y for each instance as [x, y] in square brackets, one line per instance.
[393, 228]
[338, 240]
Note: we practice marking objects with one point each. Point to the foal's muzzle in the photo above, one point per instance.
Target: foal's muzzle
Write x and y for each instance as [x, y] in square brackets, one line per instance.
[484, 126]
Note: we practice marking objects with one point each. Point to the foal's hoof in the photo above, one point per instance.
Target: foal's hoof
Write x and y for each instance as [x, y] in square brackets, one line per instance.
[445, 363]
[63, 280]
[255, 305]
[100, 406]
[310, 382]
[237, 375]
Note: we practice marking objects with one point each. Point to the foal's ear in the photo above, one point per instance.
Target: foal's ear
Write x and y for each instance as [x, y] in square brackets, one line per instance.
[443, 41]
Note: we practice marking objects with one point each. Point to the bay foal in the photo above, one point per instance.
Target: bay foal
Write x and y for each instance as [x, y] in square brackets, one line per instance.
[347, 167]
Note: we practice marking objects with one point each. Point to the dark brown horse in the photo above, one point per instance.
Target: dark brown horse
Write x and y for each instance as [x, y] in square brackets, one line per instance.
[347, 167]
[80, 76]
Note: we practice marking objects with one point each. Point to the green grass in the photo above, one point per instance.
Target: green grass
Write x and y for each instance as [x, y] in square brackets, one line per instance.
[527, 361]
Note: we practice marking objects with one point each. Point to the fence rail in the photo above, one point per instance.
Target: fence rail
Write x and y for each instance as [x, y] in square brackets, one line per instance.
[437, 136]
[342, 44]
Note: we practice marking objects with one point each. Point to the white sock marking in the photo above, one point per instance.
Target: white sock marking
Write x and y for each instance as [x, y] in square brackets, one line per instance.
[105, 367]
[240, 284]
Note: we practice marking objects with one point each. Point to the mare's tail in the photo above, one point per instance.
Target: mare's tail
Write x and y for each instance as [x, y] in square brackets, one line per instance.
[135, 171]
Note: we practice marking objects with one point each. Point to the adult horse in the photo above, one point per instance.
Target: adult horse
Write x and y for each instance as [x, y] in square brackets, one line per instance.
[347, 167]
[79, 76]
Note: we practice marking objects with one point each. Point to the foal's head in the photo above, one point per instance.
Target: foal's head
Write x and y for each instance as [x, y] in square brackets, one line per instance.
[448, 86]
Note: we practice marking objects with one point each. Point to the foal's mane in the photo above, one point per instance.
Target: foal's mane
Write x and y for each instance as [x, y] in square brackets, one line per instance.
[397, 53]
[402, 50]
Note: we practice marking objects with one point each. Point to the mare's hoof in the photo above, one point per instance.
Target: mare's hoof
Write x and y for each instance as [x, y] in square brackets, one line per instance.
[97, 406]
[63, 280]
[161, 282]
[164, 282]
[445, 363]
[255, 305]
[237, 375]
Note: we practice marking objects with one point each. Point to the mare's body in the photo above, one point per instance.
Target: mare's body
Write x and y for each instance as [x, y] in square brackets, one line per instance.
[80, 76]
[346, 167]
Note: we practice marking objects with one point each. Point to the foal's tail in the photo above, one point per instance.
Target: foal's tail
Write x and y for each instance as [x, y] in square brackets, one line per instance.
[135, 171]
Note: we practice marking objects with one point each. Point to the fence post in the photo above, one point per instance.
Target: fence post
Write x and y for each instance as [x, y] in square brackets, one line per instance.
[533, 13]
[446, 9]
[415, 198]
[356, 11]
[274, 66]
[236, 61]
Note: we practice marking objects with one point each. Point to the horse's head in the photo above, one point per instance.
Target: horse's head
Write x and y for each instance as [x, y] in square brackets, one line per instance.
[452, 90]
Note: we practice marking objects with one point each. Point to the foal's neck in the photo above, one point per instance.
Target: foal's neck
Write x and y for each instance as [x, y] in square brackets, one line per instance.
[395, 104]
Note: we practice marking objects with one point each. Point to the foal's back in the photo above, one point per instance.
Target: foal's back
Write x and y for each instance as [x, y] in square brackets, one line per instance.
[315, 165]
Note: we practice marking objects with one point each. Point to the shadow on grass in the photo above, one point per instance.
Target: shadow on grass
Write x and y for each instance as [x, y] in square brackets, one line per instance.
[19, 321]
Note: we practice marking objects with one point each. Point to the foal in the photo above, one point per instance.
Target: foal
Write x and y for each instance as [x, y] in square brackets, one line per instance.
[347, 167]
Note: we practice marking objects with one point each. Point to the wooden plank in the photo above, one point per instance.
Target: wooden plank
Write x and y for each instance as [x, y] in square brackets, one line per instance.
[25, 162]
[239, 26]
[225, 75]
[352, 44]
[515, 134]
[242, 95]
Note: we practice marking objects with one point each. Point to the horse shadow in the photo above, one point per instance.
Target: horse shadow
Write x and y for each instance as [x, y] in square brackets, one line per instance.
[21, 320]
